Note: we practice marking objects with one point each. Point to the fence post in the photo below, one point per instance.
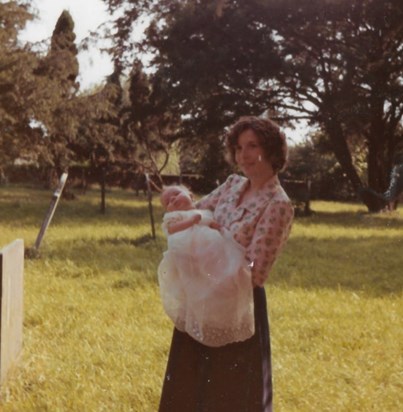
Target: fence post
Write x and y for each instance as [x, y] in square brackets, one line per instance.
[307, 210]
[103, 190]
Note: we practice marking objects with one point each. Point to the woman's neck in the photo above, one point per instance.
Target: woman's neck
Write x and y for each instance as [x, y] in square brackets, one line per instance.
[257, 182]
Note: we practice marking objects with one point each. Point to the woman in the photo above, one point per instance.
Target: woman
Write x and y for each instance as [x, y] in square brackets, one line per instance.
[258, 213]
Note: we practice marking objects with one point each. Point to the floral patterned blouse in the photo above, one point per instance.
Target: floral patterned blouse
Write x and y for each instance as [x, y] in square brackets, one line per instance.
[261, 224]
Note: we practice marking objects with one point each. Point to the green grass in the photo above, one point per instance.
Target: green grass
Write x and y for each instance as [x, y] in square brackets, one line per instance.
[96, 337]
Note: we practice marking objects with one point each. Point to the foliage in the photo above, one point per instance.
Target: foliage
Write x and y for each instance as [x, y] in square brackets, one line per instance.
[60, 64]
[45, 122]
[314, 161]
[211, 61]
[96, 337]
[98, 141]
[291, 59]
[56, 107]
[355, 95]
[205, 158]
[321, 169]
[148, 124]
[17, 86]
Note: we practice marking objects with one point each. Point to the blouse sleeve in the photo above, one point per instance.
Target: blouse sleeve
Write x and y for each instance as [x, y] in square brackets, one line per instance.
[210, 201]
[271, 233]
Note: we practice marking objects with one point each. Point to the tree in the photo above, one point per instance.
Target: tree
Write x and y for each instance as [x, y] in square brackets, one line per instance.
[99, 144]
[344, 59]
[199, 125]
[147, 123]
[17, 86]
[57, 106]
[336, 64]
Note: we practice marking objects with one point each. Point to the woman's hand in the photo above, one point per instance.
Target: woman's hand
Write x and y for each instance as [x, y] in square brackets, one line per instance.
[215, 225]
[197, 218]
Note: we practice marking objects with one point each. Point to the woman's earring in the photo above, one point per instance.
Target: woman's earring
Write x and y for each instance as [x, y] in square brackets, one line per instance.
[260, 158]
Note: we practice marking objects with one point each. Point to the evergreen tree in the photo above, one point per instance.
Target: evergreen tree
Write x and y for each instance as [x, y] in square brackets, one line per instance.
[57, 101]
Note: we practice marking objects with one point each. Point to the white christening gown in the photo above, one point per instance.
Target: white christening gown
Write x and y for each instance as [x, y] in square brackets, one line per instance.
[205, 282]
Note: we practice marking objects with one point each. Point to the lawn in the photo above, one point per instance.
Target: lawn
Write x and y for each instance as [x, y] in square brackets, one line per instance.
[96, 337]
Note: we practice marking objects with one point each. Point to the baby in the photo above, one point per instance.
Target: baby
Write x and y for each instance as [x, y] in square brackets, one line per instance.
[204, 279]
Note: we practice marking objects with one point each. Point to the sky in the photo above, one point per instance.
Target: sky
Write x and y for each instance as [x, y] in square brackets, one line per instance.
[87, 16]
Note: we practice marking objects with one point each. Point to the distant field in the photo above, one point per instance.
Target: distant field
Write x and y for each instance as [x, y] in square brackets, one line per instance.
[96, 337]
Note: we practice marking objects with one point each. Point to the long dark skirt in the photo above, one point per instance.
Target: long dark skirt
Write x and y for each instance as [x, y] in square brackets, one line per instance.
[233, 378]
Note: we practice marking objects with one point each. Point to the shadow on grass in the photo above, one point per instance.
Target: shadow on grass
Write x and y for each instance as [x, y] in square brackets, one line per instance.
[356, 219]
[142, 240]
[128, 262]
[74, 215]
[371, 265]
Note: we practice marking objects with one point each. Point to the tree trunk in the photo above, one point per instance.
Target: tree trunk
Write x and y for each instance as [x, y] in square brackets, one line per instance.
[343, 155]
[342, 152]
[376, 173]
[377, 161]
[378, 155]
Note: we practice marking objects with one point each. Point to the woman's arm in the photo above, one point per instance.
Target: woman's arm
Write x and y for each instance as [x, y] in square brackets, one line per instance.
[174, 227]
[271, 233]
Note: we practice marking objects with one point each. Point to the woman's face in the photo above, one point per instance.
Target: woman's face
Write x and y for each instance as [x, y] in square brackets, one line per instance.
[250, 156]
[175, 198]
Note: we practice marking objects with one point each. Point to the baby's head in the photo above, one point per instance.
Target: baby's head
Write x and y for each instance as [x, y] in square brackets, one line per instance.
[176, 197]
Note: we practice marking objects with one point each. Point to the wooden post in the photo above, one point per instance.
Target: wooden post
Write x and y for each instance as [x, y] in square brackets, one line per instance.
[51, 210]
[103, 190]
[11, 305]
[307, 209]
[150, 204]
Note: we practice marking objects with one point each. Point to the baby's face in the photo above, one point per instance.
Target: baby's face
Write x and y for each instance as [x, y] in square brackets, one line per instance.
[175, 198]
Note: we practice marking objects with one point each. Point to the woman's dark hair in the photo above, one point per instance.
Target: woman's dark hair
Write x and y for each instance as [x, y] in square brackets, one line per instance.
[270, 137]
